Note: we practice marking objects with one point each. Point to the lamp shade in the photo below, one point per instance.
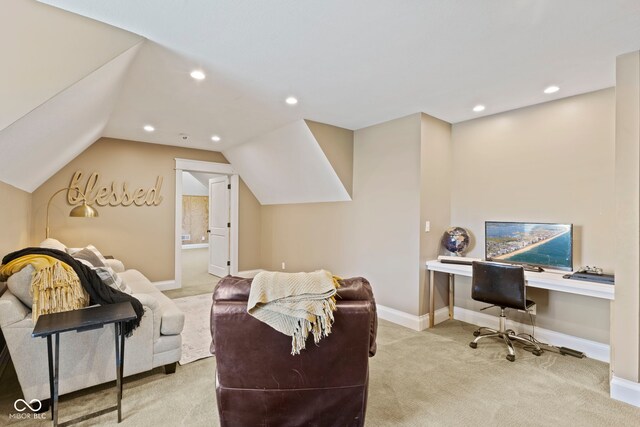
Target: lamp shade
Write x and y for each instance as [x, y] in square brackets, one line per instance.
[83, 211]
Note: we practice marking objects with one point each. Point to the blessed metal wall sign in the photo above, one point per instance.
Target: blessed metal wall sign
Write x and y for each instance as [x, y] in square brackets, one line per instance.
[114, 194]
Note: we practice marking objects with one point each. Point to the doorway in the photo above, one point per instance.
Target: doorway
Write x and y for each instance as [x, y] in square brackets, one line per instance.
[196, 233]
[196, 249]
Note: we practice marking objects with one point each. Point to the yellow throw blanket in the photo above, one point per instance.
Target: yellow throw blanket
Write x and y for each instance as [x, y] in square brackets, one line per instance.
[295, 304]
[55, 287]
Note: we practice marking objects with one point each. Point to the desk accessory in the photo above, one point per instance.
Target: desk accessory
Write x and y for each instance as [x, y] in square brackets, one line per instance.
[534, 268]
[591, 274]
[445, 259]
[456, 240]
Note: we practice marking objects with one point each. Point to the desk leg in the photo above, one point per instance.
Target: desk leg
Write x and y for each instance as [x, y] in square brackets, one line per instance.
[119, 352]
[432, 299]
[451, 286]
[56, 370]
[119, 333]
[50, 359]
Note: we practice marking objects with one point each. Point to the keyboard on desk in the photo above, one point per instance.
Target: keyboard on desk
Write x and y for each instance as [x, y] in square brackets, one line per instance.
[457, 260]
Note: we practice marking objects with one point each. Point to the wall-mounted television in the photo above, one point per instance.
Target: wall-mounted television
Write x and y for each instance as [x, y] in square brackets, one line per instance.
[538, 244]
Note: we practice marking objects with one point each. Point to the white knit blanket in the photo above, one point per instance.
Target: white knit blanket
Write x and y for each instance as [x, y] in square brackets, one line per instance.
[294, 304]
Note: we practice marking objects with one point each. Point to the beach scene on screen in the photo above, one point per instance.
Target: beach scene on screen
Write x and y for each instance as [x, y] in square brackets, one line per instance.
[540, 244]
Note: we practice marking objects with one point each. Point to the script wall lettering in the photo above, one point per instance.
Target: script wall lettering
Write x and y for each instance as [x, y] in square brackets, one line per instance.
[113, 194]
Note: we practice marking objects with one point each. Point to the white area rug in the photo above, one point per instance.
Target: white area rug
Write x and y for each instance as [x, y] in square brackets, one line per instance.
[196, 336]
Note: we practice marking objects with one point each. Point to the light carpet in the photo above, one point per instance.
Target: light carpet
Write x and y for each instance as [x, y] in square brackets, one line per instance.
[196, 279]
[428, 378]
[196, 335]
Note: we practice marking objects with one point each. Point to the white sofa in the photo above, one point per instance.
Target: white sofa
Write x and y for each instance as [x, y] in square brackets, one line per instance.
[87, 358]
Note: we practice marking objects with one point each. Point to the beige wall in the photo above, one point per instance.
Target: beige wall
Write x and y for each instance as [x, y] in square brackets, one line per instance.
[249, 231]
[141, 236]
[309, 236]
[435, 202]
[387, 199]
[376, 235]
[337, 145]
[15, 219]
[552, 162]
[625, 336]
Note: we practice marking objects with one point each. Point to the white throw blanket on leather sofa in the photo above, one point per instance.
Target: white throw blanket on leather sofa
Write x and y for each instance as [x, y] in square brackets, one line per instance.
[294, 304]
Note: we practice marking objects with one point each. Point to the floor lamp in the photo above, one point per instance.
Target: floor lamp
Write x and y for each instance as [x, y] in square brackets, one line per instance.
[81, 211]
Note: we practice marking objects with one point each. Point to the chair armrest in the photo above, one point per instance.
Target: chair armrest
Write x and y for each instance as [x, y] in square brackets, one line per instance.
[12, 310]
[152, 307]
[115, 264]
[172, 321]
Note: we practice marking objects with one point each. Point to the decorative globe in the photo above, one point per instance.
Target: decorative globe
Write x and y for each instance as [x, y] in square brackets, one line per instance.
[456, 240]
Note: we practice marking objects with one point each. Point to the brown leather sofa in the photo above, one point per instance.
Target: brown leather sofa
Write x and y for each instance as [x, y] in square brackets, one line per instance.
[259, 382]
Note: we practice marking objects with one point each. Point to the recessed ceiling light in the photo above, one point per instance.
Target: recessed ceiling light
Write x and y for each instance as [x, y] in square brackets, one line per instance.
[149, 128]
[291, 100]
[197, 74]
[215, 138]
[551, 89]
[478, 108]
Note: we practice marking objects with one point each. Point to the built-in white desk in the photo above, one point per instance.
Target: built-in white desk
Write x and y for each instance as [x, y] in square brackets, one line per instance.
[544, 280]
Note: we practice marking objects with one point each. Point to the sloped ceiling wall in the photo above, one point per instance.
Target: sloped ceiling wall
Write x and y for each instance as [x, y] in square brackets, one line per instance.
[46, 50]
[287, 165]
[40, 143]
[60, 77]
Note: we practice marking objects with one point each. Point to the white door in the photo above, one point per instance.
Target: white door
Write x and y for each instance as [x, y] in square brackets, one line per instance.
[219, 226]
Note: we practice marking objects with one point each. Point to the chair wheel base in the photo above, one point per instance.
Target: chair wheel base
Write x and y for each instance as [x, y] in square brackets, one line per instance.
[473, 344]
[537, 352]
[511, 358]
[476, 333]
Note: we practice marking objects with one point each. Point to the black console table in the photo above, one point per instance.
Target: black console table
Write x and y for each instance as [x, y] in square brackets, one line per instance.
[82, 320]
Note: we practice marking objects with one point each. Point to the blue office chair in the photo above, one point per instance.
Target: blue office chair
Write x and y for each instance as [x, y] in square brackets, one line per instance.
[501, 285]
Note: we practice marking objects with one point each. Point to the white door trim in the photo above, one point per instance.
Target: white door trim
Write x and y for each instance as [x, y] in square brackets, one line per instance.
[625, 391]
[208, 167]
[234, 196]
[200, 166]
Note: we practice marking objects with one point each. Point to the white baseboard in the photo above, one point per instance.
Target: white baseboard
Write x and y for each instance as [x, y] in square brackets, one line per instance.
[166, 285]
[625, 391]
[592, 349]
[411, 321]
[249, 273]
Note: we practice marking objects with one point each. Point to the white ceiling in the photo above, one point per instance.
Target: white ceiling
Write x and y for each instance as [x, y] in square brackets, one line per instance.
[67, 80]
[159, 91]
[353, 63]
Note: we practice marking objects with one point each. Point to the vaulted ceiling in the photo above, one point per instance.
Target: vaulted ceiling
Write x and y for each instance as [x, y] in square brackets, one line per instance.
[69, 80]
